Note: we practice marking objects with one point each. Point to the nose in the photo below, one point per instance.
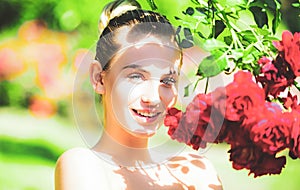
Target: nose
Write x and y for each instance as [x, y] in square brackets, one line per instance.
[151, 93]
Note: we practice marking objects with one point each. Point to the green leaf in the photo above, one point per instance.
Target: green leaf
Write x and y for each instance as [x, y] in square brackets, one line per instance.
[248, 36]
[178, 30]
[202, 10]
[186, 44]
[177, 18]
[152, 4]
[188, 34]
[186, 90]
[214, 44]
[228, 40]
[248, 59]
[260, 16]
[261, 31]
[212, 65]
[237, 54]
[219, 28]
[296, 5]
[276, 21]
[297, 85]
[256, 70]
[271, 4]
[277, 16]
[249, 49]
[195, 2]
[200, 35]
[232, 3]
[257, 3]
[189, 11]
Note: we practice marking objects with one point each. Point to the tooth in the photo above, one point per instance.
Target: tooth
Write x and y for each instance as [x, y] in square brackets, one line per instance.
[146, 114]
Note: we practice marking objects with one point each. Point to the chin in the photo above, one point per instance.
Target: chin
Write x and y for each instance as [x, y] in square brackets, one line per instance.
[144, 133]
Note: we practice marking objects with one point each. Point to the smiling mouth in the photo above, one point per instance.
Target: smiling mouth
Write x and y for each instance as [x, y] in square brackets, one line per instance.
[146, 114]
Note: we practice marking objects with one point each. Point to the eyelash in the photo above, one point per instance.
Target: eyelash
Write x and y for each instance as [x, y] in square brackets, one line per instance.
[168, 81]
[136, 76]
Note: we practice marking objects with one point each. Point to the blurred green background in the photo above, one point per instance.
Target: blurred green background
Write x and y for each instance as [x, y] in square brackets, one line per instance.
[42, 44]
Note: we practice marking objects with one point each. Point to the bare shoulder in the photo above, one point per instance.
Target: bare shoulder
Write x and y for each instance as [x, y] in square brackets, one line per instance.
[76, 154]
[76, 158]
[196, 170]
[78, 168]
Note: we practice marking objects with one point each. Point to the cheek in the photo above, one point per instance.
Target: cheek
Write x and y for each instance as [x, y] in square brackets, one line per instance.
[135, 92]
[168, 96]
[119, 93]
[125, 92]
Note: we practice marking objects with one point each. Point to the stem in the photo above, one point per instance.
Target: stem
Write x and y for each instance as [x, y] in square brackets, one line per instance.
[206, 85]
[212, 8]
[296, 84]
[213, 21]
[236, 40]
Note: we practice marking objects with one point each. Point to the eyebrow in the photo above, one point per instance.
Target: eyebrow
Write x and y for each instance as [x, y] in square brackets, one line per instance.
[135, 66]
[132, 66]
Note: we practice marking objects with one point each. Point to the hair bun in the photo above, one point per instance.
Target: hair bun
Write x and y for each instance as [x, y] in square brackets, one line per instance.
[115, 9]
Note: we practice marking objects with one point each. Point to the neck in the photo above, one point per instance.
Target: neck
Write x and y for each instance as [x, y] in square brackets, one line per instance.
[125, 152]
[124, 147]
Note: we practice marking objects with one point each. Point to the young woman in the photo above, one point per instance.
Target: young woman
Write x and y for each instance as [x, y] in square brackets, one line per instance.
[135, 71]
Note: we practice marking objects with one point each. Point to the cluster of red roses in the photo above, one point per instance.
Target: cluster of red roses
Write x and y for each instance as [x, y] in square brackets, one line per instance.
[276, 75]
[243, 115]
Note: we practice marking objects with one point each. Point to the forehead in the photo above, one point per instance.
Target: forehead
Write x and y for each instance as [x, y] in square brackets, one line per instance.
[143, 53]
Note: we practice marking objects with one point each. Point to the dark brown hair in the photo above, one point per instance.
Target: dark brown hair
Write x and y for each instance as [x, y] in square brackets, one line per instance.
[139, 23]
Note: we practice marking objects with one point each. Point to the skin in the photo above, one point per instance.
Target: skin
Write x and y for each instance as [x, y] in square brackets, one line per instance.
[136, 91]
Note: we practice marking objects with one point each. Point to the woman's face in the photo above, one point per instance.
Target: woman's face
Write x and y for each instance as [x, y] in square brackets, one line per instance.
[140, 85]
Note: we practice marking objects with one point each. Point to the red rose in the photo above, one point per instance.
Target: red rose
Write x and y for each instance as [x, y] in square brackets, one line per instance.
[198, 108]
[214, 130]
[272, 78]
[289, 50]
[172, 119]
[198, 115]
[179, 129]
[295, 136]
[243, 153]
[219, 98]
[196, 142]
[209, 121]
[272, 133]
[290, 102]
[264, 61]
[244, 156]
[182, 133]
[268, 164]
[201, 123]
[236, 135]
[243, 95]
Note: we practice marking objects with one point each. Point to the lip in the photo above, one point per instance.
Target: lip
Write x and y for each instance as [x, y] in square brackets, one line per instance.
[152, 118]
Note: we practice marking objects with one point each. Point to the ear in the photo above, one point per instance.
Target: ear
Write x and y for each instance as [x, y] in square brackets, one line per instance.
[96, 77]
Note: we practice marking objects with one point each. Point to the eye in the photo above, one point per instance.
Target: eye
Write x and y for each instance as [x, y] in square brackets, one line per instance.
[136, 76]
[168, 81]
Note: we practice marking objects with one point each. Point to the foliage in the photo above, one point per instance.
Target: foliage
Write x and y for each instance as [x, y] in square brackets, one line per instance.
[256, 114]
[218, 27]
